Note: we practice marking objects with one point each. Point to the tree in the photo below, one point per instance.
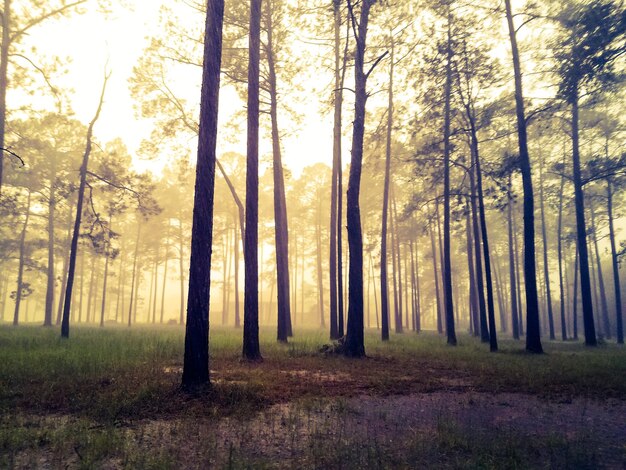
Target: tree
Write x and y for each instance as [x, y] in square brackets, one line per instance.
[354, 345]
[65, 323]
[586, 56]
[196, 362]
[251, 348]
[15, 26]
[533, 338]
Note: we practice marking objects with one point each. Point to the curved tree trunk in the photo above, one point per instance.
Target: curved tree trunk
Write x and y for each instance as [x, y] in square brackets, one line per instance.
[614, 261]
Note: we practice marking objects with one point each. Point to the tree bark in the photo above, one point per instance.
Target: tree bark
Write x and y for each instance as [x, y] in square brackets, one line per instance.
[533, 338]
[447, 262]
[354, 345]
[581, 233]
[512, 271]
[196, 361]
[251, 348]
[280, 207]
[560, 258]
[384, 283]
[4, 66]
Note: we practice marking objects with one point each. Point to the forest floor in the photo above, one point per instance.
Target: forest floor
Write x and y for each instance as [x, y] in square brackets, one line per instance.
[109, 398]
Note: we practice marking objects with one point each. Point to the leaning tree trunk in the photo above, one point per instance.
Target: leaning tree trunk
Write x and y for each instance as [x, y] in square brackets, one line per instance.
[354, 345]
[533, 338]
[20, 270]
[196, 361]
[581, 232]
[614, 260]
[65, 322]
[251, 348]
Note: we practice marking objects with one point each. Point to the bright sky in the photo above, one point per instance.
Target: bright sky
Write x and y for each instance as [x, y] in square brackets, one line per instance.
[91, 39]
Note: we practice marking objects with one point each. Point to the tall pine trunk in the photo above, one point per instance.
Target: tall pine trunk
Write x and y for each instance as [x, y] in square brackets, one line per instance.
[50, 269]
[546, 270]
[606, 323]
[251, 348]
[533, 338]
[354, 345]
[280, 206]
[614, 261]
[512, 271]
[196, 360]
[581, 232]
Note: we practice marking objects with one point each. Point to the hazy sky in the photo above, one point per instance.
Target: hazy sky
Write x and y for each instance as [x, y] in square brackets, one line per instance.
[91, 39]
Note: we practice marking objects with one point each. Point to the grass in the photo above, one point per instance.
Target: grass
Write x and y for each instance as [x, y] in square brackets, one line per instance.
[86, 401]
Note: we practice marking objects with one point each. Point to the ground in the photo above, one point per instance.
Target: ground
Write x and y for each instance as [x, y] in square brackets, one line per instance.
[109, 398]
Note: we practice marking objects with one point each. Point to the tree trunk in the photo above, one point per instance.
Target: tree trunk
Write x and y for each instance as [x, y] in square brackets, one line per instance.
[50, 270]
[4, 65]
[162, 313]
[373, 275]
[435, 270]
[512, 271]
[20, 270]
[447, 258]
[533, 338]
[394, 268]
[82, 282]
[320, 280]
[493, 341]
[581, 233]
[606, 323]
[90, 291]
[336, 197]
[237, 312]
[354, 345]
[544, 237]
[472, 295]
[560, 258]
[196, 362]
[384, 283]
[107, 254]
[441, 264]
[614, 261]
[181, 250]
[65, 323]
[482, 308]
[134, 283]
[251, 348]
[575, 297]
[120, 288]
[65, 266]
[396, 240]
[280, 206]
